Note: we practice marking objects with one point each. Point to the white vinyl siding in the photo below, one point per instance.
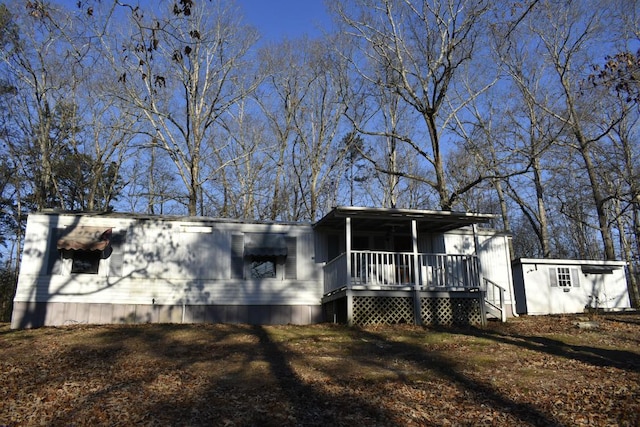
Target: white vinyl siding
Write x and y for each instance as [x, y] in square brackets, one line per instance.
[167, 261]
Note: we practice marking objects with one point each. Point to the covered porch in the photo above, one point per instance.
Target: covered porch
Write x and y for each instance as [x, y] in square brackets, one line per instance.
[393, 266]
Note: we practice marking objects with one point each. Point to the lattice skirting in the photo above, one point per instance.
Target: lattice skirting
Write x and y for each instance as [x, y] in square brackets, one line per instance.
[382, 310]
[451, 311]
[388, 310]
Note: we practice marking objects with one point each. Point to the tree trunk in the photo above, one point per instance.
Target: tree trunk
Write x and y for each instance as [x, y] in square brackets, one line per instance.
[438, 164]
[598, 199]
[542, 211]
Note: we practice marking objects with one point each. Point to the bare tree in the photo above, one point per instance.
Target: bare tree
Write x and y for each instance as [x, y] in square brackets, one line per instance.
[56, 136]
[318, 119]
[279, 99]
[548, 59]
[565, 34]
[621, 178]
[531, 133]
[246, 179]
[40, 126]
[184, 67]
[488, 150]
[422, 45]
[305, 114]
[395, 119]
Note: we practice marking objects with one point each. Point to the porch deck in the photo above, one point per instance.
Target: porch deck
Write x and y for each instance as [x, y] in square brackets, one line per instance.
[369, 287]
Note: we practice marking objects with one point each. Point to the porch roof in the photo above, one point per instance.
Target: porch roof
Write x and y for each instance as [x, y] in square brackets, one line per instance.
[375, 218]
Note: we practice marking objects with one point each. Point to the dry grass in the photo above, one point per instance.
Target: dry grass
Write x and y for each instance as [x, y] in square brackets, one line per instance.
[529, 371]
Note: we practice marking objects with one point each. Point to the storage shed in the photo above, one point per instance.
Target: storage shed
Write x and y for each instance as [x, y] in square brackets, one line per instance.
[558, 286]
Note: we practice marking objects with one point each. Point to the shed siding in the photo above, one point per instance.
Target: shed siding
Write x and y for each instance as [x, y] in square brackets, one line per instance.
[540, 296]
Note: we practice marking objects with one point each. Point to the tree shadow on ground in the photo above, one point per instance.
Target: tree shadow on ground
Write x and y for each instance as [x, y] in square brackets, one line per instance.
[595, 356]
[482, 392]
[312, 406]
[152, 366]
[243, 375]
[630, 318]
[256, 383]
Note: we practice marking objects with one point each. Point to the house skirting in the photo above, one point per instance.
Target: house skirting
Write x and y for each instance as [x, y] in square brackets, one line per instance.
[33, 315]
[367, 307]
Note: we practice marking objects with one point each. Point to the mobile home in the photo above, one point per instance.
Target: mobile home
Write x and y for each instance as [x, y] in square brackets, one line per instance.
[355, 265]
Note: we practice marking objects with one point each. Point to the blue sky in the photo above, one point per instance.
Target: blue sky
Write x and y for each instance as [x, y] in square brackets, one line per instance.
[276, 19]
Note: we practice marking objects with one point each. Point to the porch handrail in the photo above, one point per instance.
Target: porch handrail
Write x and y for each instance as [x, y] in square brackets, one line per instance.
[495, 305]
[335, 273]
[449, 271]
[382, 268]
[386, 268]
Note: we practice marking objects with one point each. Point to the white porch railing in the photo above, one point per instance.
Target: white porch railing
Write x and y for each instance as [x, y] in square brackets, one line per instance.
[398, 269]
[382, 268]
[335, 274]
[449, 271]
[494, 299]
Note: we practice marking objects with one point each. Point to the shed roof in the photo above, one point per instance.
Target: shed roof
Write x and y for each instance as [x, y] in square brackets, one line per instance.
[572, 262]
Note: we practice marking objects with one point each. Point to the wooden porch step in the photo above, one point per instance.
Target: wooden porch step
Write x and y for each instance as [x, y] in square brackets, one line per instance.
[494, 312]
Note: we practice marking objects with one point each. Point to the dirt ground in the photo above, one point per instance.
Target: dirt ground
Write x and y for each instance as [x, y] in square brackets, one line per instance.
[529, 371]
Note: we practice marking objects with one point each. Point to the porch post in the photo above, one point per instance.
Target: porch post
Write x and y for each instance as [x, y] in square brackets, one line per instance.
[478, 269]
[349, 294]
[416, 274]
[347, 232]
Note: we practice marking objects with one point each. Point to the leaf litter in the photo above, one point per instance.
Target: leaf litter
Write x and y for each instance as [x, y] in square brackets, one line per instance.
[529, 371]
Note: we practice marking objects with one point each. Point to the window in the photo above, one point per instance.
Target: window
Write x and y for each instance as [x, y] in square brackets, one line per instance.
[263, 267]
[564, 277]
[86, 262]
[263, 256]
[78, 250]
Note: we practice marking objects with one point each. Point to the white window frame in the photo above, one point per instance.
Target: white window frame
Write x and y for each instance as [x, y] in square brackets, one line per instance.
[563, 275]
